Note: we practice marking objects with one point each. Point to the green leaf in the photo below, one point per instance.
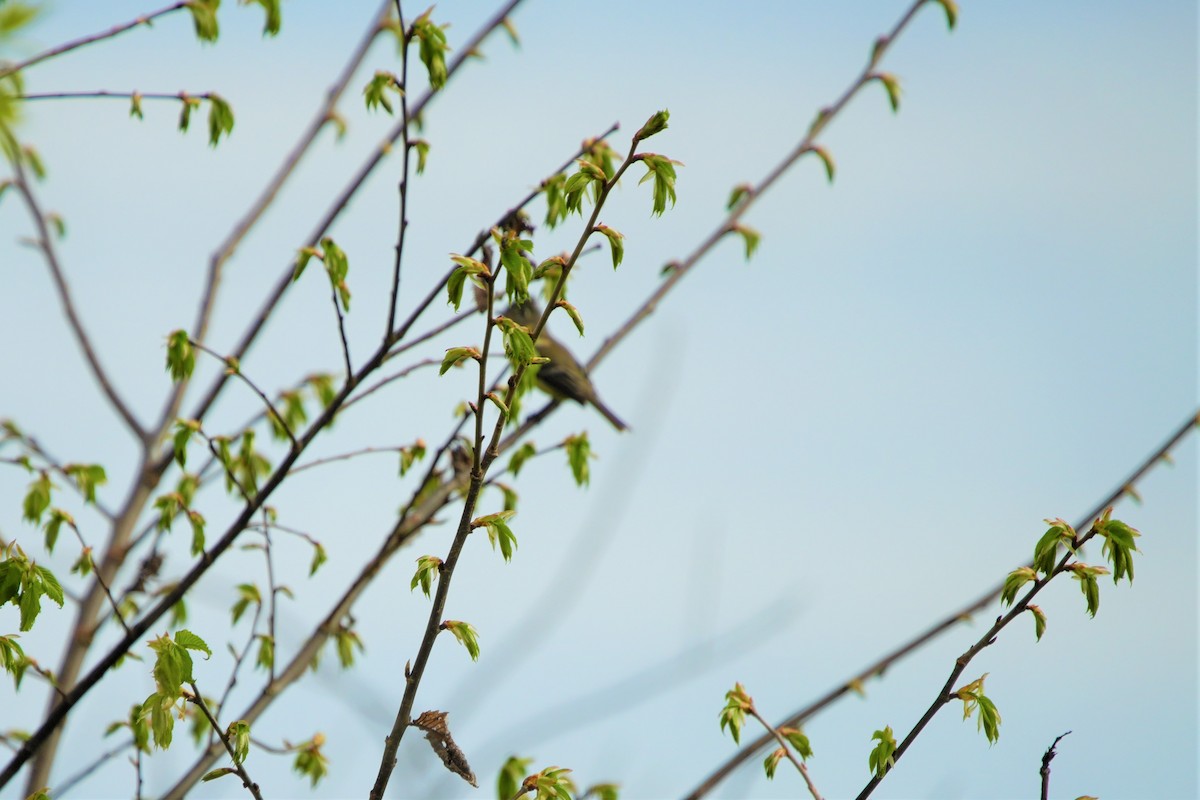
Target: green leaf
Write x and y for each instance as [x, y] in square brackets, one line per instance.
[186, 104]
[882, 758]
[220, 118]
[135, 105]
[826, 159]
[733, 715]
[58, 518]
[37, 499]
[338, 267]
[204, 17]
[892, 85]
[238, 734]
[319, 558]
[615, 242]
[429, 568]
[274, 15]
[522, 454]
[346, 641]
[498, 531]
[375, 92]
[743, 191]
[1119, 547]
[87, 477]
[1039, 620]
[508, 782]
[456, 354]
[662, 170]
[579, 450]
[772, 761]
[1045, 553]
[1013, 583]
[951, 9]
[422, 148]
[433, 48]
[799, 742]
[191, 641]
[750, 237]
[265, 657]
[181, 358]
[466, 636]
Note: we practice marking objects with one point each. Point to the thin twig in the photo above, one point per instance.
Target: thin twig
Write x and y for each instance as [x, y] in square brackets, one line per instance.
[787, 751]
[1047, 757]
[238, 766]
[233, 367]
[145, 19]
[405, 153]
[99, 578]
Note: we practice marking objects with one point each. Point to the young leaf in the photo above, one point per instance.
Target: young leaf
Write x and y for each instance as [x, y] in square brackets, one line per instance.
[881, 758]
[220, 118]
[466, 635]
[181, 358]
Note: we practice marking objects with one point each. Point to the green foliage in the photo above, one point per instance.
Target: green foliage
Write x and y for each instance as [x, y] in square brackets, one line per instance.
[265, 657]
[428, 570]
[616, 242]
[204, 18]
[741, 192]
[54, 524]
[468, 269]
[37, 499]
[951, 9]
[181, 357]
[518, 345]
[422, 148]
[376, 91]
[662, 170]
[337, 265]
[1045, 553]
[520, 455]
[973, 698]
[466, 635]
[518, 270]
[1088, 583]
[238, 734]
[456, 354]
[1013, 583]
[248, 595]
[733, 715]
[772, 761]
[882, 756]
[1039, 619]
[498, 531]
[551, 783]
[187, 105]
[432, 48]
[579, 451]
[750, 238]
[410, 454]
[310, 761]
[273, 15]
[23, 583]
[798, 740]
[13, 659]
[892, 85]
[220, 118]
[826, 159]
[87, 477]
[346, 641]
[1119, 545]
[508, 781]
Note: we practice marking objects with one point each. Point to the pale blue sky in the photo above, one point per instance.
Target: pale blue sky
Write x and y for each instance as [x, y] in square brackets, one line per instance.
[989, 318]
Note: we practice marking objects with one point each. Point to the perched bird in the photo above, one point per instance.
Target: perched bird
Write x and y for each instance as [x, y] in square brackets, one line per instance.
[562, 377]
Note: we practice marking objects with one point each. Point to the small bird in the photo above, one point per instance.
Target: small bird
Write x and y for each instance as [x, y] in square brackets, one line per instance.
[562, 377]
